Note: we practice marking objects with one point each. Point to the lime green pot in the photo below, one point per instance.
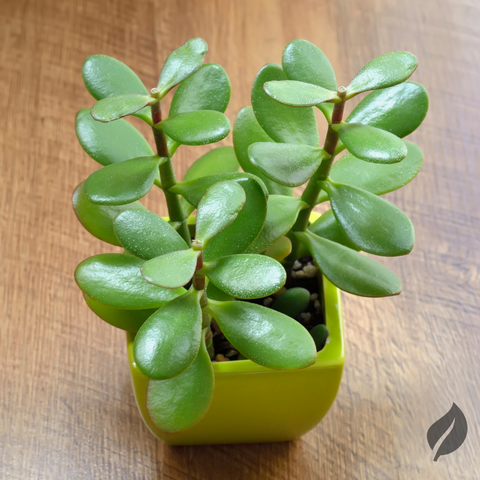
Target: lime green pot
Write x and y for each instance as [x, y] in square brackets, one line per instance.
[254, 404]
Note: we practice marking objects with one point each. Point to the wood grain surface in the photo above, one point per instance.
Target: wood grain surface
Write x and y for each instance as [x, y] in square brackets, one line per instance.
[67, 409]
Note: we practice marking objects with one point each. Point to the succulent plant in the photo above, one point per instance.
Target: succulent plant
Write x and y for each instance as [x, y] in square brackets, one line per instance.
[176, 278]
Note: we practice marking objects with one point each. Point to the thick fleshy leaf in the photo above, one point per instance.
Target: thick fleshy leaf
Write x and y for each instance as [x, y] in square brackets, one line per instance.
[129, 320]
[327, 227]
[246, 130]
[370, 222]
[292, 302]
[246, 276]
[115, 279]
[172, 270]
[179, 403]
[282, 213]
[147, 235]
[181, 63]
[305, 62]
[298, 94]
[287, 164]
[124, 182]
[207, 89]
[106, 76]
[109, 143]
[263, 335]
[216, 161]
[280, 250]
[216, 294]
[399, 109]
[377, 178]
[197, 128]
[384, 71]
[217, 209]
[282, 123]
[350, 270]
[371, 144]
[98, 219]
[168, 342]
[113, 108]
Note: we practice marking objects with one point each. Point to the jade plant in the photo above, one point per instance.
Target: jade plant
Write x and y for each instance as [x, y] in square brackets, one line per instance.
[182, 280]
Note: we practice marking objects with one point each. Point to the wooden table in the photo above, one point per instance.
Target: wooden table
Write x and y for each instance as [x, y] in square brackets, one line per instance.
[67, 409]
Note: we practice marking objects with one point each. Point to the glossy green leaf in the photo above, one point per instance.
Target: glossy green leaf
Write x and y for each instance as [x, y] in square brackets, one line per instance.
[246, 130]
[246, 276]
[98, 219]
[298, 94]
[168, 342]
[129, 320]
[109, 143]
[218, 208]
[216, 161]
[350, 270]
[280, 250]
[282, 213]
[384, 71]
[179, 403]
[319, 334]
[215, 293]
[172, 270]
[263, 335]
[113, 108]
[181, 63]
[305, 62]
[287, 164]
[106, 76]
[207, 89]
[115, 279]
[370, 222]
[371, 144]
[292, 302]
[123, 182]
[282, 123]
[326, 226]
[196, 128]
[399, 109]
[377, 178]
[147, 235]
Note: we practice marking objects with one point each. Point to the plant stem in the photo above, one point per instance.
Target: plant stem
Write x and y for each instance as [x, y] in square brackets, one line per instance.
[199, 285]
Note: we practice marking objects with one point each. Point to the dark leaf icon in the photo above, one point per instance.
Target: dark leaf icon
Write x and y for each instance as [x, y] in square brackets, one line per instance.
[456, 436]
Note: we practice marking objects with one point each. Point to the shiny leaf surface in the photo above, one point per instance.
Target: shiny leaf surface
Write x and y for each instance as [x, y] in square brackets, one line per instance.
[113, 108]
[280, 250]
[327, 227]
[216, 161]
[292, 302]
[298, 94]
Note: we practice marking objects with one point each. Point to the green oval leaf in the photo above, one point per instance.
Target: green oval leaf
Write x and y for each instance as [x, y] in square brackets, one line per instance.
[115, 280]
[172, 270]
[207, 89]
[370, 222]
[215, 293]
[305, 62]
[113, 108]
[109, 143]
[246, 130]
[98, 219]
[282, 123]
[282, 213]
[106, 76]
[246, 276]
[177, 404]
[292, 302]
[371, 144]
[147, 235]
[298, 94]
[263, 335]
[218, 208]
[384, 71]
[168, 342]
[377, 178]
[287, 164]
[181, 63]
[398, 110]
[280, 250]
[123, 182]
[350, 270]
[326, 226]
[196, 128]
[216, 161]
[129, 320]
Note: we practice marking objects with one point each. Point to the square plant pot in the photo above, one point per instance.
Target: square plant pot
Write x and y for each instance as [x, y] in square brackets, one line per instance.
[253, 404]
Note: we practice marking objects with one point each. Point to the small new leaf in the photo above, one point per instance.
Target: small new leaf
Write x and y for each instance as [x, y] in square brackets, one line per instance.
[113, 108]
[298, 94]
